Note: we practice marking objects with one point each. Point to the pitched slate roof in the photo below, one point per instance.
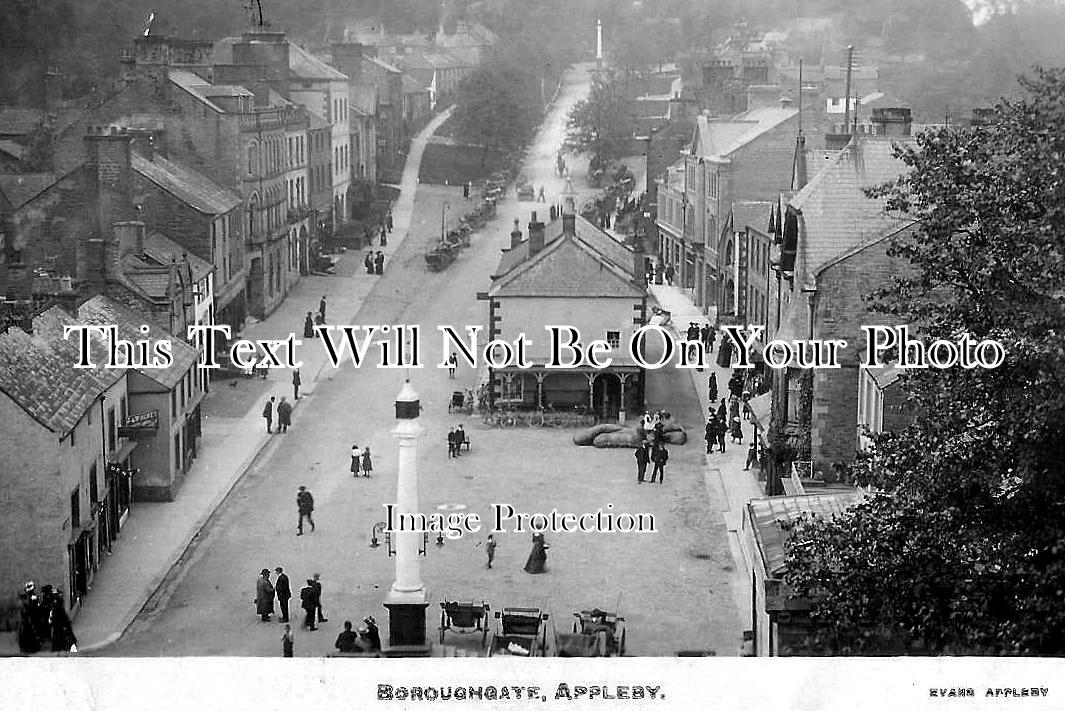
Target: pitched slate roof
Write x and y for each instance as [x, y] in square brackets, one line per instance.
[601, 243]
[305, 65]
[721, 137]
[753, 212]
[835, 213]
[194, 85]
[164, 251]
[19, 121]
[20, 188]
[195, 190]
[103, 310]
[381, 63]
[567, 267]
[38, 373]
[768, 513]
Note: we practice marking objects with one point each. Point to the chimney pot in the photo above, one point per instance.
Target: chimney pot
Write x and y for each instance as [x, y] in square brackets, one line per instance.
[536, 237]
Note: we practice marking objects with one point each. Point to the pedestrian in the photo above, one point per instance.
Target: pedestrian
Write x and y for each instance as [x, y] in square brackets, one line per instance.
[721, 411]
[752, 455]
[490, 549]
[28, 640]
[659, 456]
[388, 219]
[733, 408]
[284, 415]
[669, 274]
[264, 596]
[356, 460]
[540, 195]
[537, 556]
[268, 413]
[642, 458]
[368, 262]
[379, 263]
[62, 634]
[460, 440]
[737, 431]
[466, 190]
[305, 504]
[710, 343]
[321, 308]
[367, 462]
[308, 326]
[712, 388]
[745, 402]
[347, 641]
[384, 236]
[451, 446]
[318, 597]
[296, 382]
[308, 604]
[722, 432]
[693, 331]
[283, 591]
[371, 634]
[704, 335]
[711, 433]
[367, 235]
[452, 363]
[287, 642]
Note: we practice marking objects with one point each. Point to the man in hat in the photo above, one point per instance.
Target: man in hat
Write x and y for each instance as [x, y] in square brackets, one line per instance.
[347, 641]
[283, 591]
[460, 440]
[379, 263]
[296, 383]
[318, 597]
[284, 415]
[28, 640]
[371, 634]
[268, 413]
[321, 308]
[305, 504]
[264, 595]
[308, 603]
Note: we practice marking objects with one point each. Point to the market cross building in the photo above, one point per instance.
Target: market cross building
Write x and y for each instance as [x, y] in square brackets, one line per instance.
[569, 273]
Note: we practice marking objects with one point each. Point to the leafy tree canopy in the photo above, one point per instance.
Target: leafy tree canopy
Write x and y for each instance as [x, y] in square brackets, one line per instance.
[963, 552]
[602, 124]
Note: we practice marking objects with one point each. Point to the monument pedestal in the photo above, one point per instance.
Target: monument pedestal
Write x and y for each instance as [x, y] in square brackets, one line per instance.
[406, 624]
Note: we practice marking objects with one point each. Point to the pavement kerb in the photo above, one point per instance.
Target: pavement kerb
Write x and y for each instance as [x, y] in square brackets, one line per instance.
[238, 474]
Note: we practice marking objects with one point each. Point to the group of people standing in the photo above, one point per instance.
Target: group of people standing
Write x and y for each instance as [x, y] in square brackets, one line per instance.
[361, 461]
[42, 619]
[704, 334]
[456, 439]
[374, 262]
[652, 449]
[283, 410]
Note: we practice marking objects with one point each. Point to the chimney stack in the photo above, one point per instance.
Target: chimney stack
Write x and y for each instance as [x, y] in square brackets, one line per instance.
[536, 235]
[569, 209]
[108, 153]
[515, 235]
[894, 121]
[129, 237]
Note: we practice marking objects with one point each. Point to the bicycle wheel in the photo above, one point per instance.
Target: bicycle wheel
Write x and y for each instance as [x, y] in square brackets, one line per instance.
[537, 419]
[506, 421]
[488, 419]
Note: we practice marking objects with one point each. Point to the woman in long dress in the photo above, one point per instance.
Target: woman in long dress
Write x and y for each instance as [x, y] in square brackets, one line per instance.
[538, 555]
[367, 462]
[356, 459]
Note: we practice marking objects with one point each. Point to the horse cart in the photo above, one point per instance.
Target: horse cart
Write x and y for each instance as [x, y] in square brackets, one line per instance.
[595, 634]
[464, 618]
[522, 632]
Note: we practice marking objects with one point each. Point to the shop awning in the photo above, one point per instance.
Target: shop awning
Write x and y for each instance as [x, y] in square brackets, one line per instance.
[761, 407]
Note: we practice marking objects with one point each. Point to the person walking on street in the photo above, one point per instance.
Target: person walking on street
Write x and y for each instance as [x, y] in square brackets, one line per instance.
[752, 455]
[712, 388]
[284, 415]
[308, 604]
[268, 413]
[379, 263]
[321, 308]
[540, 195]
[264, 596]
[642, 458]
[711, 434]
[704, 334]
[356, 460]
[368, 262]
[466, 190]
[388, 220]
[296, 382]
[669, 274]
[737, 431]
[288, 642]
[305, 504]
[460, 440]
[722, 431]
[62, 633]
[490, 549]
[283, 592]
[308, 326]
[367, 462]
[659, 456]
[451, 445]
[384, 236]
[318, 597]
[452, 363]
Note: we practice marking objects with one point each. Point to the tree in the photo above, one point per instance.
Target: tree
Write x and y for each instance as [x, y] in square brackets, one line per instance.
[963, 551]
[601, 124]
[497, 106]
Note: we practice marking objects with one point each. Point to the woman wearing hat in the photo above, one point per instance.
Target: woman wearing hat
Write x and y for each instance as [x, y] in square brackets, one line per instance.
[264, 596]
[369, 634]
